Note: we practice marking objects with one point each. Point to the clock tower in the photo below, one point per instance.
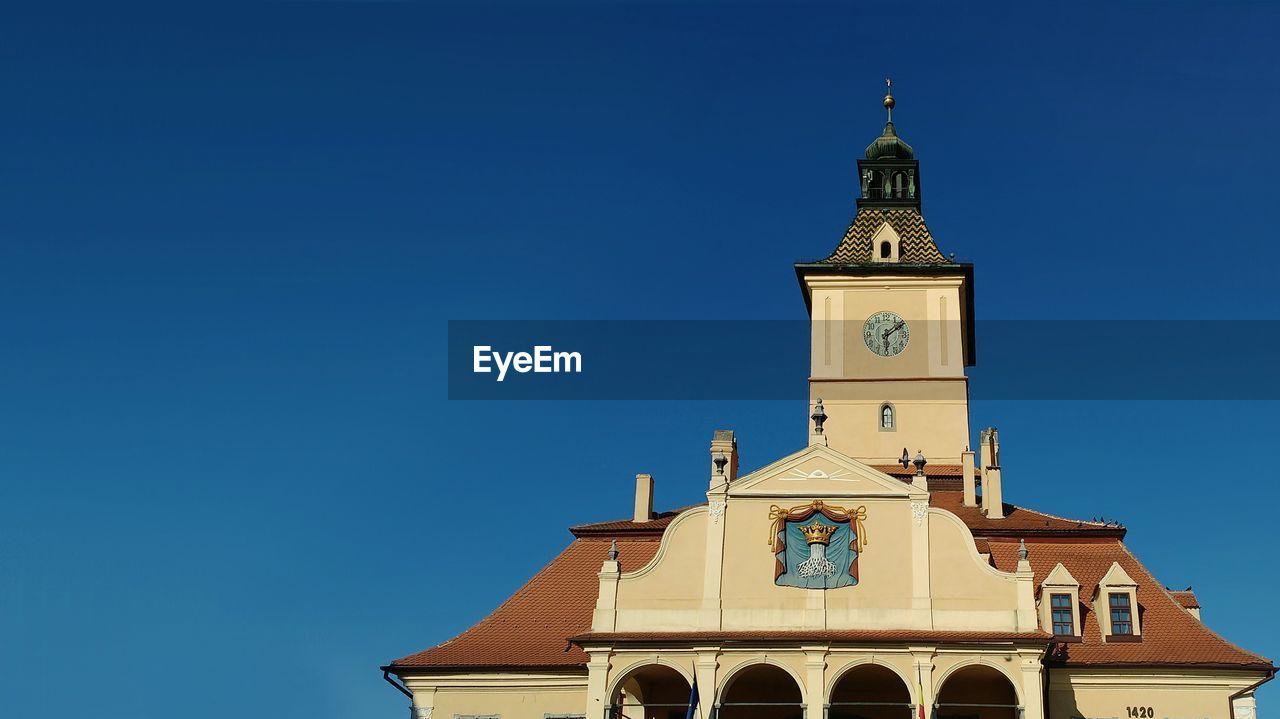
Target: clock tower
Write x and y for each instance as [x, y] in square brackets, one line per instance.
[892, 322]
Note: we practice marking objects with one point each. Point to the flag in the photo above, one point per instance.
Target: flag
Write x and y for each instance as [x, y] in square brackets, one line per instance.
[920, 693]
[693, 700]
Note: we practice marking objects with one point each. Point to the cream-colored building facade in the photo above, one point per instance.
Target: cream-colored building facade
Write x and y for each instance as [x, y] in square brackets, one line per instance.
[875, 573]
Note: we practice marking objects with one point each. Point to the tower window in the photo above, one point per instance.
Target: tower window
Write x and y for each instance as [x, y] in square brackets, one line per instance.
[897, 185]
[886, 250]
[886, 417]
[1063, 622]
[1121, 613]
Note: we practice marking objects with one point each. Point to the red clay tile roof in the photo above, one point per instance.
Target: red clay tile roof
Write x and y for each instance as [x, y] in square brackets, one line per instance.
[1020, 522]
[933, 471]
[1185, 597]
[532, 628]
[626, 527]
[1170, 634]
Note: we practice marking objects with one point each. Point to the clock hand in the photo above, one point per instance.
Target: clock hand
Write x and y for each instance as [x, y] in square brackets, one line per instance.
[895, 328]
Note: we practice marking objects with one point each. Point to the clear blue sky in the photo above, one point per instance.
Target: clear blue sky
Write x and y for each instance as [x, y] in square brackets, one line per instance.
[231, 235]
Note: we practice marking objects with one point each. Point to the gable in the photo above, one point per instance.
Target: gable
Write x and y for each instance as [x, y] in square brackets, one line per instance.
[1116, 577]
[819, 471]
[1060, 577]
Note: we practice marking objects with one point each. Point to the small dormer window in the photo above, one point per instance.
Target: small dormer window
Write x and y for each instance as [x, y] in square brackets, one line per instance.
[1121, 614]
[1116, 604]
[1064, 623]
[886, 244]
[1059, 598]
[886, 417]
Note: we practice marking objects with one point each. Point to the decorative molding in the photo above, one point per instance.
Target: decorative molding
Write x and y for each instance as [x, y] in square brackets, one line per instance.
[918, 511]
[717, 511]
[420, 712]
[838, 475]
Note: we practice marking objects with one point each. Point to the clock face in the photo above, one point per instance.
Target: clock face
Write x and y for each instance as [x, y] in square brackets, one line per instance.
[886, 334]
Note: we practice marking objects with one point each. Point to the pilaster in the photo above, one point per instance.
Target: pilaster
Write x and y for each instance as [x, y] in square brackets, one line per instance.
[705, 668]
[920, 595]
[423, 703]
[717, 510]
[1032, 684]
[605, 617]
[1027, 621]
[922, 666]
[1244, 707]
[815, 690]
[597, 683]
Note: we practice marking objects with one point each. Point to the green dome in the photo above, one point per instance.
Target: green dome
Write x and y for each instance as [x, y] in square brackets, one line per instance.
[889, 145]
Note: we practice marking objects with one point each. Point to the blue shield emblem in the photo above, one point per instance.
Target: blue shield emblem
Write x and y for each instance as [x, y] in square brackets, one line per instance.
[817, 545]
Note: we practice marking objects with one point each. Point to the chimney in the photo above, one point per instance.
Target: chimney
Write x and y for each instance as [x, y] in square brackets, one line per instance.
[644, 498]
[724, 458]
[992, 496]
[970, 482]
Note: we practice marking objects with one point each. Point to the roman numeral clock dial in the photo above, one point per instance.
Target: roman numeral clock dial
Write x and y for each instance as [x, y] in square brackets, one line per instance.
[886, 334]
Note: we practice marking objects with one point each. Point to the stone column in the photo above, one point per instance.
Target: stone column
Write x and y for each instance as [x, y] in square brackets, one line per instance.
[1032, 686]
[815, 681]
[597, 683]
[704, 667]
[922, 667]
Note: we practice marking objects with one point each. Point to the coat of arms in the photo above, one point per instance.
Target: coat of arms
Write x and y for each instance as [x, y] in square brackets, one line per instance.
[816, 545]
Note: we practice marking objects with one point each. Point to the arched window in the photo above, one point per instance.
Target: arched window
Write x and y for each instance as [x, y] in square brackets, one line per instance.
[977, 691]
[652, 691]
[886, 250]
[886, 416]
[870, 691]
[760, 691]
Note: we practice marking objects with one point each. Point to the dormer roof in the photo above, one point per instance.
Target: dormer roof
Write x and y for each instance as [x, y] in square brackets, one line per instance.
[1059, 577]
[1116, 577]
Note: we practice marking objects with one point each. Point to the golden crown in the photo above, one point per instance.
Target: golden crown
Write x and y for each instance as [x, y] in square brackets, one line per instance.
[817, 533]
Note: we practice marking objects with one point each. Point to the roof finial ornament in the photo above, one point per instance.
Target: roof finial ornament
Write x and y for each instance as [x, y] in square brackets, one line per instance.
[888, 97]
[613, 551]
[1022, 550]
[819, 417]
